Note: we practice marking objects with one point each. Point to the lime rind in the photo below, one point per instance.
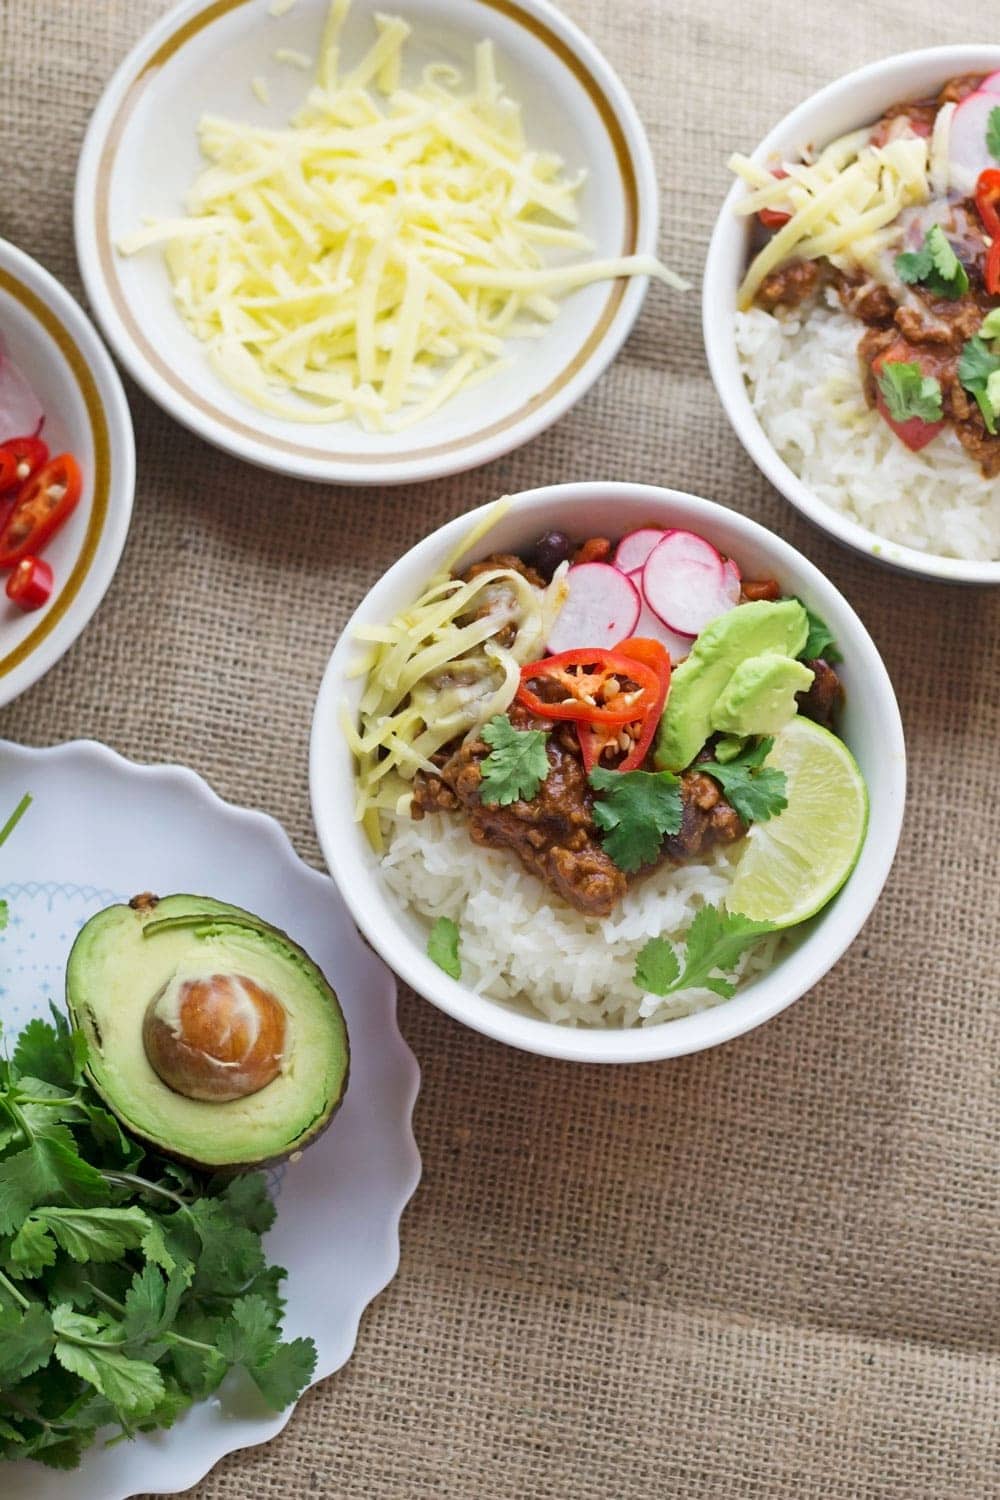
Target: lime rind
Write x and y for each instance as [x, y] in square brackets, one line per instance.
[796, 862]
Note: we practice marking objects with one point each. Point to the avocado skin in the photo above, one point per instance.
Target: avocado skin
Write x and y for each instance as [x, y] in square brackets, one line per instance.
[756, 629]
[148, 907]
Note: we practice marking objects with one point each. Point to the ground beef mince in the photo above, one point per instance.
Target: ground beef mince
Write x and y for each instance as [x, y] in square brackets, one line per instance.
[553, 835]
[790, 285]
[823, 697]
[504, 560]
[707, 818]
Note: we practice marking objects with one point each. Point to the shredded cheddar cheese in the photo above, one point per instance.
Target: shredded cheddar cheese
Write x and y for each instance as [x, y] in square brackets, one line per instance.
[376, 256]
[841, 205]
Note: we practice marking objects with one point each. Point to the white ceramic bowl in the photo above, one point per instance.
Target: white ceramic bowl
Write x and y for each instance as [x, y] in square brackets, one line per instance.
[870, 725]
[141, 154]
[51, 341]
[852, 101]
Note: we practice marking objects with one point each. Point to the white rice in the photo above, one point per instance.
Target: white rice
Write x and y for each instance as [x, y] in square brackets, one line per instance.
[521, 945]
[805, 384]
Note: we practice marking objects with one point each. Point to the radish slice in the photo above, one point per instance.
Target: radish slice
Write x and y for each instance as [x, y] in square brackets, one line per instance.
[732, 580]
[990, 85]
[601, 608]
[633, 549]
[686, 583]
[651, 627]
[21, 414]
[968, 154]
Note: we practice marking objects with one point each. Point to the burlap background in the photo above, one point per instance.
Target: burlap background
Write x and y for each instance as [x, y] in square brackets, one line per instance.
[767, 1271]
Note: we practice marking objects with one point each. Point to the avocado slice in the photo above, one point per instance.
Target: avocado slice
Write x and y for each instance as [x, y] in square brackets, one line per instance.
[759, 697]
[754, 629]
[212, 1035]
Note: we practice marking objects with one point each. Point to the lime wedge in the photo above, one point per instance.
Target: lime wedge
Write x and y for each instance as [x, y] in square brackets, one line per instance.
[794, 863]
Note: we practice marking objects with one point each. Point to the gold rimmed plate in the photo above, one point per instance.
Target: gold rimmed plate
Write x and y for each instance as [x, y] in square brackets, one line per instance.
[141, 155]
[54, 345]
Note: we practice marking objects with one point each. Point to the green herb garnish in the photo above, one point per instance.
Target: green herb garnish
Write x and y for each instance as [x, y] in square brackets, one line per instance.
[975, 368]
[990, 327]
[819, 641]
[128, 1288]
[935, 266]
[993, 133]
[442, 947]
[756, 791]
[517, 764]
[908, 392]
[638, 809]
[715, 941]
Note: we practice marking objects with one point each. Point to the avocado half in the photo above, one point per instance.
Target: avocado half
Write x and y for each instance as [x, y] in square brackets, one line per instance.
[131, 964]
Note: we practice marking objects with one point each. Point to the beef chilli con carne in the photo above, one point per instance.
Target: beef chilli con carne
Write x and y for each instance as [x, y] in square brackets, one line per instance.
[554, 833]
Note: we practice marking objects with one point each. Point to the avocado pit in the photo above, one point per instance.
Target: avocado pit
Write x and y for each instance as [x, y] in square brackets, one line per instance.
[215, 1037]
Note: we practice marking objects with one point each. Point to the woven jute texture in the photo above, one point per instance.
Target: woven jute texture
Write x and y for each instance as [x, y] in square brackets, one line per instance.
[766, 1271]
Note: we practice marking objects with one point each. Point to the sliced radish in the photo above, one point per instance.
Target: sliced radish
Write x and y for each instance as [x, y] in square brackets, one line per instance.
[732, 580]
[686, 583]
[601, 608]
[968, 154]
[651, 627]
[20, 409]
[633, 549]
[990, 85]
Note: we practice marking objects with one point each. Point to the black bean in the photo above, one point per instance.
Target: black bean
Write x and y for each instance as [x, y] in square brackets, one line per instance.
[549, 551]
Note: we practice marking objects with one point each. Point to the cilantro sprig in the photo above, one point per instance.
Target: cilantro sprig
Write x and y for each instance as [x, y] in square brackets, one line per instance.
[977, 367]
[442, 947]
[820, 641]
[716, 941]
[637, 810]
[756, 791]
[908, 392]
[935, 266]
[516, 765]
[128, 1286]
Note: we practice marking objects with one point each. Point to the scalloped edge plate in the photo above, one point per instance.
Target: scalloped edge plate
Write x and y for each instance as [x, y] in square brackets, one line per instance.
[102, 827]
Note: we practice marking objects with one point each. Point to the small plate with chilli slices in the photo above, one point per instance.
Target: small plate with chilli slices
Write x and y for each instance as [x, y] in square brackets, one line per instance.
[60, 391]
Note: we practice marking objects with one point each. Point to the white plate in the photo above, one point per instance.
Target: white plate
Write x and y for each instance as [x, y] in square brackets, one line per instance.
[101, 829]
[52, 342]
[141, 155]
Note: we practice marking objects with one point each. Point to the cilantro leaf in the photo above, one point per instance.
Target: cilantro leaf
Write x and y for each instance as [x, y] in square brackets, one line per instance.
[247, 1198]
[756, 791]
[88, 1349]
[49, 1170]
[442, 947]
[637, 811]
[976, 365]
[283, 1378]
[517, 764]
[993, 133]
[26, 1342]
[716, 940]
[656, 967]
[97, 1234]
[231, 1254]
[990, 326]
[54, 1057]
[151, 1303]
[819, 641]
[249, 1337]
[908, 392]
[32, 1250]
[935, 266]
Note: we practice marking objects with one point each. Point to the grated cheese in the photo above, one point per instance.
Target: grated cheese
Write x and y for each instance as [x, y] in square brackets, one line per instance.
[840, 204]
[372, 259]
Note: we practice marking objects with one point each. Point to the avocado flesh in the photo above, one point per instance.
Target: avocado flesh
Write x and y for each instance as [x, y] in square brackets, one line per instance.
[114, 971]
[760, 628]
[759, 697]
